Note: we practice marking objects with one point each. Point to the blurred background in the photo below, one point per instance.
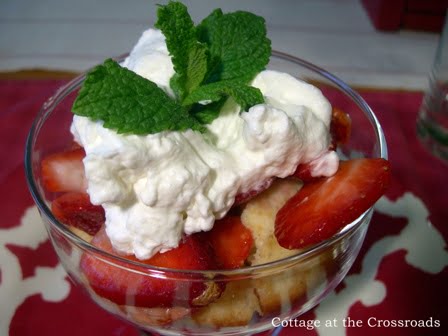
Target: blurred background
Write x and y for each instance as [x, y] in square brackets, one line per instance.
[338, 35]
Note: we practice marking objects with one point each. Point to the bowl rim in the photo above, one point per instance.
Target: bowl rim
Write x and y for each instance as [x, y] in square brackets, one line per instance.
[119, 261]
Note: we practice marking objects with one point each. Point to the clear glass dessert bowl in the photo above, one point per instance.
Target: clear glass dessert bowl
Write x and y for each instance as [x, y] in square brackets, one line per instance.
[253, 298]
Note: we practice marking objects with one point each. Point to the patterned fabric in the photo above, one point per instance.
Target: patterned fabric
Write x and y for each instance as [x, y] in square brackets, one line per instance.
[401, 273]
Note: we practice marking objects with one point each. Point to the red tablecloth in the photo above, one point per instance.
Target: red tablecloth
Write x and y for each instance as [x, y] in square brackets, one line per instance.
[401, 273]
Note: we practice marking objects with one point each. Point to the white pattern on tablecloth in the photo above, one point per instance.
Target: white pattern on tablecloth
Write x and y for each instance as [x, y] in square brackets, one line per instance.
[419, 238]
[50, 282]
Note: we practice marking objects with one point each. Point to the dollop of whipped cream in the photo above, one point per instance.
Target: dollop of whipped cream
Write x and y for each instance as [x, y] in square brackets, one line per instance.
[156, 187]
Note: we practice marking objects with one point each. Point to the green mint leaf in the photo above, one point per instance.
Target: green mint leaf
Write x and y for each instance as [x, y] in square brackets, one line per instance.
[197, 67]
[129, 103]
[188, 55]
[203, 35]
[239, 48]
[205, 114]
[203, 29]
[246, 96]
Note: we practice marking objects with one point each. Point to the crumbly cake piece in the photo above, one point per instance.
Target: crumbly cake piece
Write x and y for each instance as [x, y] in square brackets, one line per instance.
[259, 216]
[236, 306]
[244, 299]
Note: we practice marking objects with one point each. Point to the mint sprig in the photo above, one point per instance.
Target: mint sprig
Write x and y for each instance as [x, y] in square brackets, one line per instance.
[239, 48]
[212, 61]
[187, 53]
[244, 95]
[129, 103]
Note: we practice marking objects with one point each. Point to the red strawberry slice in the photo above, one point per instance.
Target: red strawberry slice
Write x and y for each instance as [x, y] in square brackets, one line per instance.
[340, 127]
[248, 195]
[322, 208]
[75, 209]
[74, 145]
[64, 171]
[231, 242]
[303, 172]
[153, 289]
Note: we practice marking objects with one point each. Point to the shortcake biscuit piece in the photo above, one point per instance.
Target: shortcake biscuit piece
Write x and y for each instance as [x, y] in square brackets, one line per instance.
[283, 286]
[240, 301]
[235, 307]
[259, 216]
[279, 288]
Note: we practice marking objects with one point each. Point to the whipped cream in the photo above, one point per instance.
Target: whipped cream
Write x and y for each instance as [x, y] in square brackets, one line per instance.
[157, 187]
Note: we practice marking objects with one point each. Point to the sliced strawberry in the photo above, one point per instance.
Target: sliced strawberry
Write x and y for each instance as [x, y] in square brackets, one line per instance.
[303, 172]
[248, 195]
[340, 127]
[144, 288]
[231, 242]
[322, 208]
[64, 171]
[74, 145]
[74, 209]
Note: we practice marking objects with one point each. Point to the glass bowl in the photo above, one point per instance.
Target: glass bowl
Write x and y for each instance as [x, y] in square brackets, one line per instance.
[254, 298]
